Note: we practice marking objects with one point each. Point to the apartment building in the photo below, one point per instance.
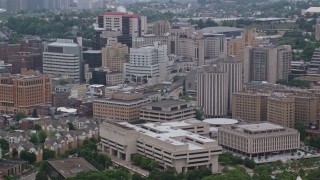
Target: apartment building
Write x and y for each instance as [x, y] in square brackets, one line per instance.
[267, 63]
[167, 110]
[250, 106]
[114, 56]
[119, 107]
[262, 139]
[150, 39]
[315, 62]
[21, 93]
[317, 31]
[160, 28]
[212, 91]
[63, 58]
[171, 147]
[125, 24]
[281, 110]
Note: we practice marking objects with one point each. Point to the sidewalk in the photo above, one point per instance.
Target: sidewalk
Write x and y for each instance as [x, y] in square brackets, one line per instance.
[128, 165]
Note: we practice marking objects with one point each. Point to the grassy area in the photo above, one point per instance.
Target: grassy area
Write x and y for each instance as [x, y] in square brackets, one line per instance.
[189, 98]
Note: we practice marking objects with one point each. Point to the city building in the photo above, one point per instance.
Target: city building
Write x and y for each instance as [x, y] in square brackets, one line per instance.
[281, 110]
[171, 147]
[114, 56]
[67, 168]
[120, 106]
[237, 45]
[21, 93]
[5, 67]
[132, 25]
[93, 58]
[212, 91]
[150, 39]
[256, 140]
[250, 106]
[315, 62]
[160, 28]
[317, 31]
[167, 110]
[105, 77]
[12, 167]
[63, 58]
[149, 64]
[267, 63]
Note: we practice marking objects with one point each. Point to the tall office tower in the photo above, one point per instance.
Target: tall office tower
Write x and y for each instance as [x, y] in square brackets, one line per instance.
[236, 46]
[315, 62]
[191, 47]
[160, 28]
[63, 58]
[306, 108]
[3, 4]
[250, 106]
[317, 31]
[280, 110]
[132, 25]
[267, 63]
[212, 91]
[114, 56]
[234, 69]
[149, 64]
[215, 47]
[21, 93]
[14, 6]
[35, 5]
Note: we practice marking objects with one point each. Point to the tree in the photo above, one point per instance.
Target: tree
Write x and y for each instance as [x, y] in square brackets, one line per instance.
[42, 136]
[239, 173]
[14, 153]
[35, 113]
[302, 130]
[37, 127]
[34, 138]
[19, 115]
[262, 172]
[199, 115]
[117, 174]
[104, 160]
[249, 163]
[41, 176]
[4, 144]
[48, 154]
[70, 125]
[28, 156]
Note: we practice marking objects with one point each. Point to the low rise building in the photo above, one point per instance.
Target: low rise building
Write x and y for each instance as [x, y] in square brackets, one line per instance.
[261, 139]
[171, 147]
[167, 110]
[12, 167]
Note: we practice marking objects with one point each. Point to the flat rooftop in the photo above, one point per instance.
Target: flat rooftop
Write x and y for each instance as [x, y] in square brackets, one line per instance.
[167, 103]
[71, 166]
[118, 101]
[220, 121]
[260, 127]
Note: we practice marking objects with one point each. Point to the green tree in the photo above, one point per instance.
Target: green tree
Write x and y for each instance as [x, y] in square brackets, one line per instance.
[34, 138]
[19, 115]
[249, 163]
[302, 130]
[199, 115]
[104, 160]
[41, 176]
[239, 173]
[70, 125]
[42, 135]
[117, 174]
[48, 154]
[14, 153]
[262, 172]
[35, 113]
[4, 144]
[37, 127]
[28, 156]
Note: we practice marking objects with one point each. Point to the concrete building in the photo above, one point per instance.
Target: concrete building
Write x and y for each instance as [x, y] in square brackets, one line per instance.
[234, 69]
[119, 106]
[21, 93]
[317, 31]
[315, 62]
[250, 106]
[63, 58]
[281, 110]
[93, 58]
[160, 28]
[267, 63]
[149, 40]
[167, 110]
[237, 45]
[261, 139]
[132, 25]
[171, 147]
[212, 91]
[114, 56]
[149, 64]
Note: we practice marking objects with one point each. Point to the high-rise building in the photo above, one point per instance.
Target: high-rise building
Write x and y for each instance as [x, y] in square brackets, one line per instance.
[63, 58]
[149, 64]
[317, 31]
[21, 93]
[281, 110]
[236, 46]
[250, 106]
[315, 62]
[14, 6]
[160, 28]
[212, 91]
[267, 63]
[234, 69]
[114, 56]
[132, 25]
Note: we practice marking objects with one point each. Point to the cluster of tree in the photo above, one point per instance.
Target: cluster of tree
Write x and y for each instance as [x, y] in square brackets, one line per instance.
[203, 24]
[313, 142]
[39, 137]
[19, 115]
[294, 83]
[144, 162]
[199, 114]
[229, 160]
[292, 34]
[302, 130]
[28, 156]
[90, 152]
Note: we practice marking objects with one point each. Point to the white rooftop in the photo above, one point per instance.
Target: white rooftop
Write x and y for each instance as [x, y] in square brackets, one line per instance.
[260, 127]
[221, 121]
[170, 134]
[181, 123]
[67, 110]
[313, 10]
